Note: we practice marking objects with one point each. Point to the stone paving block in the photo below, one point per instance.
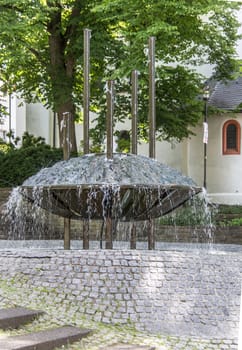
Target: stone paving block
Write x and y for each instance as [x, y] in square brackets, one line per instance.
[44, 340]
[17, 316]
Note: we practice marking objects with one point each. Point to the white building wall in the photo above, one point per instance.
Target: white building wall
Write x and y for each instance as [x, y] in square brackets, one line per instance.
[39, 121]
[15, 119]
[18, 116]
[224, 172]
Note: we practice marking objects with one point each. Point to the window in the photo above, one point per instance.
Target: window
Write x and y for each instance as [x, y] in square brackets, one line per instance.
[231, 137]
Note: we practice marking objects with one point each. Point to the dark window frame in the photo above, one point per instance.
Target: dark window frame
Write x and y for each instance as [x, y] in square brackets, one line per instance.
[236, 149]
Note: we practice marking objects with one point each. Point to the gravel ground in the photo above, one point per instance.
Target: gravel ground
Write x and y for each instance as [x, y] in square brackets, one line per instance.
[12, 292]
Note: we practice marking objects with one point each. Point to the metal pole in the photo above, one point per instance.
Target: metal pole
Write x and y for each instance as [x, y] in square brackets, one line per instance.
[152, 124]
[109, 125]
[85, 231]
[66, 155]
[86, 90]
[205, 148]
[109, 128]
[109, 232]
[133, 237]
[66, 135]
[205, 133]
[67, 233]
[54, 128]
[151, 235]
[10, 115]
[86, 111]
[134, 110]
[134, 113]
[152, 114]
[240, 322]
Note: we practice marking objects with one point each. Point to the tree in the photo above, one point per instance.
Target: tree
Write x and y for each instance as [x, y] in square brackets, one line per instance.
[41, 54]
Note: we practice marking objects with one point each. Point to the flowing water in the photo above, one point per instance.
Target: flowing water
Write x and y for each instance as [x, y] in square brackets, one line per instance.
[131, 189]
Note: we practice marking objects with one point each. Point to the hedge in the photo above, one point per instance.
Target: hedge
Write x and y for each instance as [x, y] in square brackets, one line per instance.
[18, 164]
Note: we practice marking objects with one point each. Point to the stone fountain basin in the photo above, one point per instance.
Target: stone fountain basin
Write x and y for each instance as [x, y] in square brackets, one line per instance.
[126, 187]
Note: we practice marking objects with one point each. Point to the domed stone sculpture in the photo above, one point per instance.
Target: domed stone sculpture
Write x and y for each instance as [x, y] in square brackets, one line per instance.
[127, 187]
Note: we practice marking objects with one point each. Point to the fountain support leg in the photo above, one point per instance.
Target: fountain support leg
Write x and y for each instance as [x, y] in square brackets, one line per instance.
[151, 235]
[67, 233]
[133, 237]
[86, 234]
[66, 155]
[86, 111]
[134, 113]
[109, 233]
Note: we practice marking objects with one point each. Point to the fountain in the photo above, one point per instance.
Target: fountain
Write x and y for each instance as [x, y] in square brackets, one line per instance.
[126, 187]
[181, 292]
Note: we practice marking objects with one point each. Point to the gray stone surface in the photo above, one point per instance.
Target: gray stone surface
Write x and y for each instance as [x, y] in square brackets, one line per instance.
[44, 340]
[17, 316]
[185, 293]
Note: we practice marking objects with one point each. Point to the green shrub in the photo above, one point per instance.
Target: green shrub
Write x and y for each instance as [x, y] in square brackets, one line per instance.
[16, 165]
[195, 212]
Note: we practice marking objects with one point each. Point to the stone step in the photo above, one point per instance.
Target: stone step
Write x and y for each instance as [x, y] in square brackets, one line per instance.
[17, 316]
[44, 340]
[128, 347]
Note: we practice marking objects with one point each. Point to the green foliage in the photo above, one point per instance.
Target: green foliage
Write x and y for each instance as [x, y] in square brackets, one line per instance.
[19, 163]
[195, 212]
[41, 55]
[230, 209]
[3, 113]
[229, 215]
[29, 140]
[4, 147]
[232, 222]
[123, 141]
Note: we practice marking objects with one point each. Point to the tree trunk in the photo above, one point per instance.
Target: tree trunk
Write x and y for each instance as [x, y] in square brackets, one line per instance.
[62, 66]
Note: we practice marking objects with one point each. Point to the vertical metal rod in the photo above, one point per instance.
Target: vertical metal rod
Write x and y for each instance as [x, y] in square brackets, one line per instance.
[152, 112]
[134, 113]
[205, 131]
[10, 116]
[109, 125]
[66, 155]
[85, 234]
[152, 124]
[134, 110]
[109, 233]
[54, 129]
[66, 135]
[133, 237]
[86, 90]
[109, 128]
[240, 322]
[86, 111]
[67, 233]
[205, 148]
[151, 235]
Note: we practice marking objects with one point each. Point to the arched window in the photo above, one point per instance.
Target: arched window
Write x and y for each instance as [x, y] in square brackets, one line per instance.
[231, 137]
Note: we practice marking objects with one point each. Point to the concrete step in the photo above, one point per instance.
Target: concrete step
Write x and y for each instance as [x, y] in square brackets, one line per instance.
[44, 340]
[128, 347]
[17, 316]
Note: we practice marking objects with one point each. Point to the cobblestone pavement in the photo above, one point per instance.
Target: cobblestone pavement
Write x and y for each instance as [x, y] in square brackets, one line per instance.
[12, 293]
